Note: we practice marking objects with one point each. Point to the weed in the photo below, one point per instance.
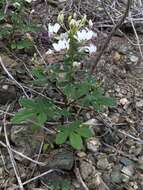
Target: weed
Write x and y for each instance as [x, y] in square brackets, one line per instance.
[71, 91]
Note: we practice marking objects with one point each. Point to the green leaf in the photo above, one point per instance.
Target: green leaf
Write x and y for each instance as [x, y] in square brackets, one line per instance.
[84, 132]
[22, 44]
[2, 16]
[61, 137]
[27, 103]
[13, 45]
[76, 141]
[65, 185]
[107, 101]
[22, 115]
[35, 127]
[45, 146]
[42, 117]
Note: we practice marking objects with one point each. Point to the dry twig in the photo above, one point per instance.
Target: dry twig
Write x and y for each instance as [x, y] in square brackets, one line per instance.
[79, 178]
[11, 77]
[23, 156]
[10, 153]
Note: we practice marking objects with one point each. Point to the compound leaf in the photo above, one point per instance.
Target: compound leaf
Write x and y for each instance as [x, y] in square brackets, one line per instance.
[61, 137]
[22, 115]
[84, 132]
[76, 141]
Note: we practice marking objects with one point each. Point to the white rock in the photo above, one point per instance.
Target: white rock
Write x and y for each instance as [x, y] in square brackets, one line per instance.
[128, 170]
[124, 101]
[139, 104]
[134, 58]
[93, 144]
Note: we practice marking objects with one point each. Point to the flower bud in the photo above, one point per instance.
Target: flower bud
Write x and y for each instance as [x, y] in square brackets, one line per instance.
[72, 22]
[69, 18]
[84, 19]
[74, 15]
[90, 23]
[60, 18]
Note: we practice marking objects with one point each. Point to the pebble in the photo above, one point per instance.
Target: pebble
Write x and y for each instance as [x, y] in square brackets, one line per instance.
[86, 169]
[125, 178]
[123, 49]
[81, 154]
[140, 163]
[91, 122]
[103, 163]
[139, 104]
[116, 56]
[61, 159]
[128, 170]
[125, 161]
[93, 144]
[124, 101]
[133, 58]
[116, 176]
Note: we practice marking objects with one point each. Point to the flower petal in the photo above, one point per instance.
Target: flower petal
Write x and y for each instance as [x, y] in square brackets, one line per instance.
[53, 29]
[90, 49]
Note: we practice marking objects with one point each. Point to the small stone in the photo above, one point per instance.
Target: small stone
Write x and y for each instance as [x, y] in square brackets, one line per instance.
[115, 117]
[116, 56]
[139, 104]
[5, 87]
[140, 163]
[117, 89]
[116, 176]
[134, 185]
[93, 144]
[123, 49]
[124, 101]
[96, 182]
[130, 143]
[103, 163]
[138, 150]
[128, 170]
[134, 58]
[7, 94]
[86, 169]
[125, 178]
[126, 161]
[81, 154]
[91, 122]
[61, 159]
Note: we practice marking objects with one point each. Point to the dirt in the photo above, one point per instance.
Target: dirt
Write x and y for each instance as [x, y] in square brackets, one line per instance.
[113, 158]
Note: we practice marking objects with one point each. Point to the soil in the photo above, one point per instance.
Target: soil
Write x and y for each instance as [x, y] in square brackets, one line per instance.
[113, 158]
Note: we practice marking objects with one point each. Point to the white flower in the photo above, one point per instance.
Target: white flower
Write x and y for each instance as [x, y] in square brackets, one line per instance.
[53, 29]
[49, 52]
[85, 34]
[62, 44]
[63, 36]
[90, 49]
[76, 64]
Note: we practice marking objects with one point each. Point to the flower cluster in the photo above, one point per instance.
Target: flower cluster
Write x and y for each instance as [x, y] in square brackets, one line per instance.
[76, 28]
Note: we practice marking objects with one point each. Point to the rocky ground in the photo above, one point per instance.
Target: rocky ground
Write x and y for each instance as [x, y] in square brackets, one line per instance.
[113, 158]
